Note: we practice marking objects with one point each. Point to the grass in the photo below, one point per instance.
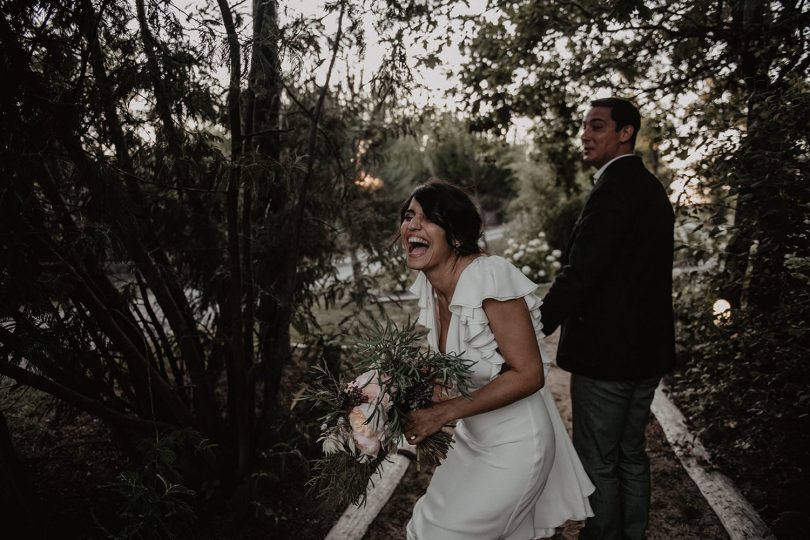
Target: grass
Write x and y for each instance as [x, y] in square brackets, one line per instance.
[341, 320]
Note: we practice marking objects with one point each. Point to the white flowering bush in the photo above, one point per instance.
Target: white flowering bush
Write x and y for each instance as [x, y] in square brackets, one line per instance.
[535, 258]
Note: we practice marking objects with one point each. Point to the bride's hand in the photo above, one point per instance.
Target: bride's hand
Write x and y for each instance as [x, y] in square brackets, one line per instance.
[425, 422]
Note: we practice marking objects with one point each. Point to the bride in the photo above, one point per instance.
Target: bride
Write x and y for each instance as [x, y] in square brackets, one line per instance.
[512, 472]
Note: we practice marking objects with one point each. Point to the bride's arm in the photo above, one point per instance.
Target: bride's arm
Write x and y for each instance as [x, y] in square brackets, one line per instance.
[511, 324]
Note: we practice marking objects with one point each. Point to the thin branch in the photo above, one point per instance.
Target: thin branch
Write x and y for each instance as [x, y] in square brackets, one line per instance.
[165, 346]
[90, 405]
[306, 110]
[290, 275]
[104, 317]
[94, 282]
[117, 375]
[313, 137]
[168, 293]
[153, 345]
[161, 97]
[237, 374]
[247, 136]
[578, 6]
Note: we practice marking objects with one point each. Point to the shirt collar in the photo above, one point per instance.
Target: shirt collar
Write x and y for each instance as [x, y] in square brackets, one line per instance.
[606, 165]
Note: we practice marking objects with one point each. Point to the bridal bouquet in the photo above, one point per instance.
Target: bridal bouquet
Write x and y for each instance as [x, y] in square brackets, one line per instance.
[366, 416]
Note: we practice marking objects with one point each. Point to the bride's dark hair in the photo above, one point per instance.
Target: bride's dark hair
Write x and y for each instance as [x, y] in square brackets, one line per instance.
[449, 207]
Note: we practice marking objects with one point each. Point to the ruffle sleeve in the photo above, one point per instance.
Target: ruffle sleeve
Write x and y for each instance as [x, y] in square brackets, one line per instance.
[496, 278]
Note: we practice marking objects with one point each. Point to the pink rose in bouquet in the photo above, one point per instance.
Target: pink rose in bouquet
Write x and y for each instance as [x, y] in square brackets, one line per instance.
[368, 419]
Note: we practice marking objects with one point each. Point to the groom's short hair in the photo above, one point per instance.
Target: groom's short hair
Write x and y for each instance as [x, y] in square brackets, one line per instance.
[623, 113]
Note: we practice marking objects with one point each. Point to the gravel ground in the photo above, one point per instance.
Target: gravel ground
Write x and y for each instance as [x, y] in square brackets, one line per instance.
[678, 509]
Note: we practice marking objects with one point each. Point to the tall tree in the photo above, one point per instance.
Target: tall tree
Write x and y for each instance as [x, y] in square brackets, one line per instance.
[727, 82]
[695, 65]
[159, 230]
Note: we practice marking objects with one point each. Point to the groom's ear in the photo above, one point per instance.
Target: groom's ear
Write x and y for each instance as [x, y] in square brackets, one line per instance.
[626, 133]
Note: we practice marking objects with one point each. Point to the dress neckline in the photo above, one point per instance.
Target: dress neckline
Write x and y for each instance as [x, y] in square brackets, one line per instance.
[437, 321]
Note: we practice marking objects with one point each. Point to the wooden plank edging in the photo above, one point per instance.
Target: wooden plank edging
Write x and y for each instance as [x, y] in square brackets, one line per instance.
[355, 521]
[736, 514]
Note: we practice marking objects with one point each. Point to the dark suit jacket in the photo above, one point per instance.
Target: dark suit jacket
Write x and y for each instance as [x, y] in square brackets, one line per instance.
[613, 296]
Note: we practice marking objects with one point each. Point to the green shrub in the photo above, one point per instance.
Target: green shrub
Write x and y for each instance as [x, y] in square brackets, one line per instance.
[561, 220]
[743, 381]
[155, 501]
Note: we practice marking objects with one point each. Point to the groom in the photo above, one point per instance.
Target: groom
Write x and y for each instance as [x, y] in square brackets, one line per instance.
[613, 298]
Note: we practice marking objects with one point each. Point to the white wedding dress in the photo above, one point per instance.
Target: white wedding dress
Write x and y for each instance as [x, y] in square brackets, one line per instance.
[512, 473]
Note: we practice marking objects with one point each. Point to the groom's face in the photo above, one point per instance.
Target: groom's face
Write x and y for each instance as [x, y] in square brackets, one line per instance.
[600, 140]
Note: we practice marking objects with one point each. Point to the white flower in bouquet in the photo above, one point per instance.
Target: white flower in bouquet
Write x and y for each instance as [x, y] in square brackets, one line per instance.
[519, 255]
[556, 265]
[544, 247]
[557, 253]
[526, 269]
[550, 258]
[511, 242]
[541, 234]
[334, 440]
[541, 273]
[534, 242]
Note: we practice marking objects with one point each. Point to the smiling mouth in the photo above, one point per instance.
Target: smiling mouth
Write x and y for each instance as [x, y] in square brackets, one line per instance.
[417, 246]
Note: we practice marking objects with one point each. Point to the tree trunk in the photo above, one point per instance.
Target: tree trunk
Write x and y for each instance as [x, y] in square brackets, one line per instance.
[272, 210]
[15, 497]
[239, 392]
[748, 24]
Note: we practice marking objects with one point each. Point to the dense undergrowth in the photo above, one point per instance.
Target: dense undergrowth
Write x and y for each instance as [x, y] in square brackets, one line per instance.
[81, 485]
[744, 384]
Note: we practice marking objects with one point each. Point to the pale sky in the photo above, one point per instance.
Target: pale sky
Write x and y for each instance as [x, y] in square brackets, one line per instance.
[435, 83]
[439, 80]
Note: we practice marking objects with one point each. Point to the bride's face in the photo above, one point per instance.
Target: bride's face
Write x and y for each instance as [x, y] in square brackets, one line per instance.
[425, 242]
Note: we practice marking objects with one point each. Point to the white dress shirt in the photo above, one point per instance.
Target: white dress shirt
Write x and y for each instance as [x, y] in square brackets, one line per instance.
[606, 165]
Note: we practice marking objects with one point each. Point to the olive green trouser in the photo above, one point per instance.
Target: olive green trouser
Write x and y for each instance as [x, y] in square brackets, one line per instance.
[610, 419]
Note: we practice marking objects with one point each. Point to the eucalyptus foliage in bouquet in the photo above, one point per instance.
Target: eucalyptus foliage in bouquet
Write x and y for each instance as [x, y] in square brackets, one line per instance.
[366, 416]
